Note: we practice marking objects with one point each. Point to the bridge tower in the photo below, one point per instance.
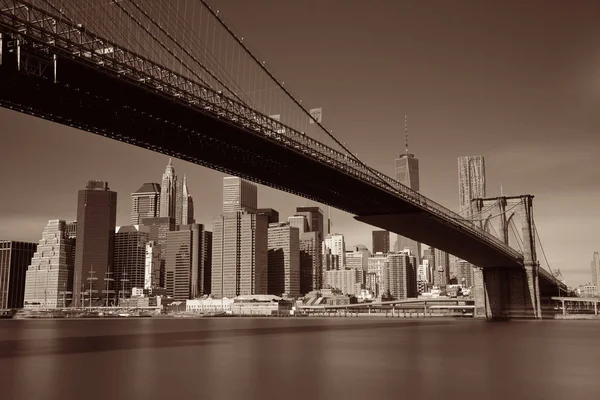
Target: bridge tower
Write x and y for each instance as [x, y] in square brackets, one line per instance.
[502, 292]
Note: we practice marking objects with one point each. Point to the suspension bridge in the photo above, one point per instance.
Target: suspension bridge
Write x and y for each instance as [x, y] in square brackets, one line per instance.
[174, 77]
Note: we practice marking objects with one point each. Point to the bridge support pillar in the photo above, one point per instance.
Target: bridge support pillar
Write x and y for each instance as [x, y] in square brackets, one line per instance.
[502, 293]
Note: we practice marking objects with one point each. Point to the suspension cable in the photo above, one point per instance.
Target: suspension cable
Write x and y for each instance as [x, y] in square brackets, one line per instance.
[537, 235]
[305, 111]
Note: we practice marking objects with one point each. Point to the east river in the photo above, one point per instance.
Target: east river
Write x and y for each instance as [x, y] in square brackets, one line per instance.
[301, 358]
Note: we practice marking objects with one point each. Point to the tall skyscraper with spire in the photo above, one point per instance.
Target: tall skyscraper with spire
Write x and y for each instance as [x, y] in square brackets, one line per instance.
[407, 173]
[168, 192]
[184, 204]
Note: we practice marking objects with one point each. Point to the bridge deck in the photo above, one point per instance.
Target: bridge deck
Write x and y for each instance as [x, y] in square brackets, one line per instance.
[122, 96]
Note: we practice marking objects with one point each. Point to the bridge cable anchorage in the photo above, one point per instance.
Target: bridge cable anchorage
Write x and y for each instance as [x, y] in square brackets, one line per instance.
[298, 104]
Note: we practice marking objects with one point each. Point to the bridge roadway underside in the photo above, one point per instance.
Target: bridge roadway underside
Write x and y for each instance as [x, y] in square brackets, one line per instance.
[90, 99]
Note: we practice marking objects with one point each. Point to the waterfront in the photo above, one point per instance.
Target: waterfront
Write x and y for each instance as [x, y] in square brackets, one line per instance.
[307, 358]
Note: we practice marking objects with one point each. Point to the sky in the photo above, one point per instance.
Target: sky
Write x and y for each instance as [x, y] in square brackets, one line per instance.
[517, 82]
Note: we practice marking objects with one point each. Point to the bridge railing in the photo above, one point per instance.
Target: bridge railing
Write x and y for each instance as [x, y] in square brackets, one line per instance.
[58, 35]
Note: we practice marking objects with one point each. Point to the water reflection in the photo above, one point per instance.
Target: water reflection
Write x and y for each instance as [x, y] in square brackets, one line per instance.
[297, 359]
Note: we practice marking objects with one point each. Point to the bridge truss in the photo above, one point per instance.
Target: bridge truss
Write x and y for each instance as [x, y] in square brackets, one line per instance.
[160, 48]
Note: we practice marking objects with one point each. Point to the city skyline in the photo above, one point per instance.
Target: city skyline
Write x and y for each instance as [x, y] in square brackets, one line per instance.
[523, 141]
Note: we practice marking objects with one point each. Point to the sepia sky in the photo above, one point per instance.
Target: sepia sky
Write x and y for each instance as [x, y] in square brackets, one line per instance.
[517, 82]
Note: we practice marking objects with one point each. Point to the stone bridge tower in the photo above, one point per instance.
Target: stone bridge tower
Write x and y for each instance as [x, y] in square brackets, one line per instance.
[502, 292]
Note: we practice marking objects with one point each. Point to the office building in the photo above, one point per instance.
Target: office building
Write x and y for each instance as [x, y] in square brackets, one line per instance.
[15, 257]
[441, 268]
[301, 223]
[184, 204]
[357, 257]
[168, 192]
[595, 268]
[159, 227]
[239, 255]
[311, 270]
[407, 173]
[272, 215]
[330, 261]
[207, 241]
[314, 218]
[145, 203]
[381, 242]
[402, 275]
[336, 246]
[96, 223]
[185, 262]
[283, 260]
[152, 265]
[49, 277]
[348, 281]
[130, 258]
[461, 272]
[71, 229]
[240, 243]
[471, 182]
[377, 270]
[239, 195]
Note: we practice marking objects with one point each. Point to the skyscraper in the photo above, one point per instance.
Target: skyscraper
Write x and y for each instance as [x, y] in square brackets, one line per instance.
[471, 182]
[50, 274]
[130, 258]
[272, 215]
[207, 241]
[595, 268]
[337, 247]
[441, 272]
[185, 262]
[300, 222]
[381, 242]
[152, 265]
[239, 195]
[159, 227]
[96, 222]
[168, 192]
[239, 255]
[283, 260]
[14, 259]
[407, 173]
[402, 275]
[311, 271]
[184, 204]
[145, 203]
[314, 218]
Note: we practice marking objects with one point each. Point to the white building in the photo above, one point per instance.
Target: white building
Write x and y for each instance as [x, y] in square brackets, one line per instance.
[348, 281]
[209, 305]
[47, 277]
[152, 265]
[335, 243]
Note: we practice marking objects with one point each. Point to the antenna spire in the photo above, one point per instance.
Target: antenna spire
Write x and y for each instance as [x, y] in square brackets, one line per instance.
[406, 132]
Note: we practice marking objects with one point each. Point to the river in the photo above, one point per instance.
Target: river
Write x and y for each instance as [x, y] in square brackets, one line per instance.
[301, 358]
